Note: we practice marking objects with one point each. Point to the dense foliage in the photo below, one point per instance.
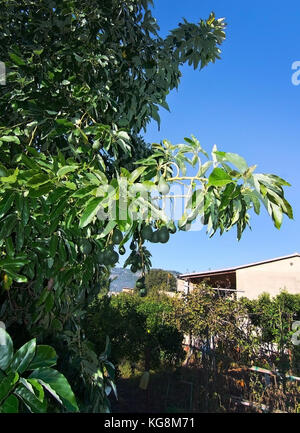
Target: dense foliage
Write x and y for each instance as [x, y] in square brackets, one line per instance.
[138, 329]
[158, 279]
[277, 320]
[246, 331]
[84, 78]
[25, 376]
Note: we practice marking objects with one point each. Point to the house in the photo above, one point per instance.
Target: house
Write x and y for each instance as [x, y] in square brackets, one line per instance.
[251, 280]
[128, 290]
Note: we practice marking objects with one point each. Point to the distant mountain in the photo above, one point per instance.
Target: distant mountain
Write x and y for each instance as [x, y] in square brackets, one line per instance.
[122, 278]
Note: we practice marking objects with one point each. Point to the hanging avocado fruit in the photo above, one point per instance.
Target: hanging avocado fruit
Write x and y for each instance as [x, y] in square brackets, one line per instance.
[134, 268]
[117, 237]
[132, 245]
[122, 251]
[163, 187]
[143, 292]
[111, 257]
[147, 233]
[163, 235]
[140, 283]
[154, 237]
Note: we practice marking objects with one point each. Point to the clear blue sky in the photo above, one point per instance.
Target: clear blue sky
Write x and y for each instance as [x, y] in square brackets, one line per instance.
[245, 103]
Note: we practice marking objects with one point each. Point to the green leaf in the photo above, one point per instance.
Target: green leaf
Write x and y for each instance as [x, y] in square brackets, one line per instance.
[16, 262]
[53, 245]
[3, 171]
[6, 202]
[277, 215]
[38, 52]
[6, 349]
[51, 391]
[25, 392]
[10, 139]
[136, 174]
[17, 60]
[10, 405]
[64, 122]
[67, 169]
[40, 394]
[16, 277]
[12, 178]
[49, 302]
[219, 177]
[41, 190]
[37, 180]
[90, 211]
[10, 247]
[234, 159]
[109, 227]
[45, 356]
[83, 192]
[7, 384]
[59, 383]
[23, 356]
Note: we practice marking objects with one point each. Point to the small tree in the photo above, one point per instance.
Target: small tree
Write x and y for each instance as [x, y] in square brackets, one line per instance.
[138, 330]
[158, 279]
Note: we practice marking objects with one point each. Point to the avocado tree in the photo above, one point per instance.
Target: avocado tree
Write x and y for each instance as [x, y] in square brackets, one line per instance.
[77, 179]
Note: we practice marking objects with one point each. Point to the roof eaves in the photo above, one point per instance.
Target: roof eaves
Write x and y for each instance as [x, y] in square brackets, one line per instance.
[233, 269]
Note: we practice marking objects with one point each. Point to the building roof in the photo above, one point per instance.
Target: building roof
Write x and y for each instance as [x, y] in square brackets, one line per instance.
[234, 269]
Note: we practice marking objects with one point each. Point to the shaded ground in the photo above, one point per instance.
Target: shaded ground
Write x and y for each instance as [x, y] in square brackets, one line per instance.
[171, 392]
[189, 390]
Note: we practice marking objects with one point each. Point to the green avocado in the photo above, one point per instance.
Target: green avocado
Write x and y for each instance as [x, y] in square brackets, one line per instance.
[146, 232]
[163, 187]
[163, 235]
[154, 237]
[112, 257]
[132, 245]
[134, 268]
[143, 292]
[117, 236]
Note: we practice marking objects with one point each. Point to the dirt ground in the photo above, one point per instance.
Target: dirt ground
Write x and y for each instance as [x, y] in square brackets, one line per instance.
[182, 391]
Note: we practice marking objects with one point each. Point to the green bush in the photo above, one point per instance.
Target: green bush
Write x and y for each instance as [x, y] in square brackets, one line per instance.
[137, 328]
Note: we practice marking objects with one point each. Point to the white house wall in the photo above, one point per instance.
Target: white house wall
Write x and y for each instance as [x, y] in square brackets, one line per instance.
[269, 277]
